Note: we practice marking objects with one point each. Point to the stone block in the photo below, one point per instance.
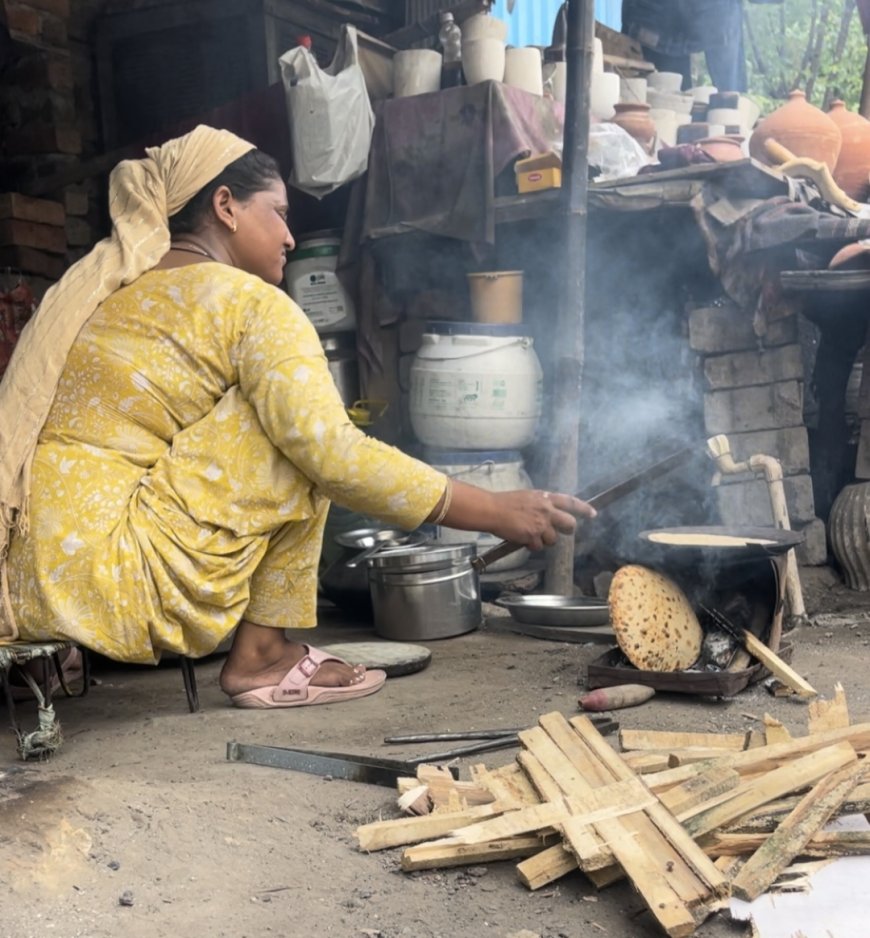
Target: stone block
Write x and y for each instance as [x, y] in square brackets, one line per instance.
[43, 138]
[29, 234]
[30, 261]
[814, 550]
[790, 446]
[748, 503]
[59, 8]
[744, 369]
[714, 330]
[76, 201]
[766, 407]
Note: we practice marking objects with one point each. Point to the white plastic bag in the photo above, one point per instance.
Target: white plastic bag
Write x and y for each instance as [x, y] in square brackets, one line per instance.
[331, 119]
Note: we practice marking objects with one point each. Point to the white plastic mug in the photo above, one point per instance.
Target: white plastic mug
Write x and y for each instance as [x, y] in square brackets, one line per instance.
[416, 71]
[483, 60]
[523, 68]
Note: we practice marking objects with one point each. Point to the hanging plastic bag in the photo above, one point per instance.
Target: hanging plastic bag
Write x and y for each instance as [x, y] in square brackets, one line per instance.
[331, 119]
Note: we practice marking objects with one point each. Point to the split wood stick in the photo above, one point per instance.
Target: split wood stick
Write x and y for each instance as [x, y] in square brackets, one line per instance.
[829, 714]
[672, 891]
[665, 741]
[701, 788]
[678, 757]
[779, 782]
[442, 854]
[546, 867]
[644, 762]
[661, 817]
[767, 818]
[824, 844]
[589, 847]
[380, 835]
[777, 667]
[729, 866]
[512, 823]
[774, 731]
[765, 758]
[662, 781]
[789, 839]
[508, 784]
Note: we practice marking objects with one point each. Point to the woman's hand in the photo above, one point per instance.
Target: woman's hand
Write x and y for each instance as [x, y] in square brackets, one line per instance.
[535, 519]
[531, 518]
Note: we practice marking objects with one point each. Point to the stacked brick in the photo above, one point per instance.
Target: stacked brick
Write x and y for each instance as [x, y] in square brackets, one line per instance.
[39, 238]
[754, 395]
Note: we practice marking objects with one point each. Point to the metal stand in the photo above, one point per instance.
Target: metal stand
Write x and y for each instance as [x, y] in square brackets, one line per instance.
[190, 689]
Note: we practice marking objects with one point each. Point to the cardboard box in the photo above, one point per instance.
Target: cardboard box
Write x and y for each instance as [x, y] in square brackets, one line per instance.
[543, 171]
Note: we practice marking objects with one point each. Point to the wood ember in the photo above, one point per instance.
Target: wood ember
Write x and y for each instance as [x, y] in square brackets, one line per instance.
[728, 815]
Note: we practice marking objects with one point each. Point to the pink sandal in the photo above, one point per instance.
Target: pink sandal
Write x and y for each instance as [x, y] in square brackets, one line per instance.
[296, 690]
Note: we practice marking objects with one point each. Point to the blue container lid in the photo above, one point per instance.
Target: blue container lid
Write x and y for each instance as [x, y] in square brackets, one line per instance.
[470, 457]
[497, 330]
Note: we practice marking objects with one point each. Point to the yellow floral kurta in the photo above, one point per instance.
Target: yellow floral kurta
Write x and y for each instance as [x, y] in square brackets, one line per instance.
[182, 479]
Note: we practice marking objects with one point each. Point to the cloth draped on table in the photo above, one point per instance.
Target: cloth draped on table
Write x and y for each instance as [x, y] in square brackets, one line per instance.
[143, 194]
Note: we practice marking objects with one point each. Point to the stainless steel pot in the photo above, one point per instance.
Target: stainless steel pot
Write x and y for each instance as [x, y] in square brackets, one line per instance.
[340, 349]
[425, 592]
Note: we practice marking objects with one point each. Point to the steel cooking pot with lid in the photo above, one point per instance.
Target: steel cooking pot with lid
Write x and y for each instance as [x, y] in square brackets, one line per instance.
[425, 592]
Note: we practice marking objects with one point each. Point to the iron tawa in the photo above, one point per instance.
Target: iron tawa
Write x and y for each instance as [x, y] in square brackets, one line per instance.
[396, 658]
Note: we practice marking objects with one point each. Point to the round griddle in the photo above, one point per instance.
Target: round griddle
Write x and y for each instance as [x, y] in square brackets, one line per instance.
[396, 658]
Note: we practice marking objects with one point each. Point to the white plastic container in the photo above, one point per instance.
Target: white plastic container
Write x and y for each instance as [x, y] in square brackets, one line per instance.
[493, 470]
[523, 69]
[416, 71]
[312, 283]
[483, 60]
[475, 386]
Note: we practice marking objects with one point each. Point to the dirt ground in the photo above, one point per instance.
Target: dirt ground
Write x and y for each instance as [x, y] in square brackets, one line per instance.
[140, 827]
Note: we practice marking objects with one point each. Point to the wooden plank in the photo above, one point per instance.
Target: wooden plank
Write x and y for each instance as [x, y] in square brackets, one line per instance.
[546, 867]
[554, 781]
[662, 781]
[645, 763]
[380, 835]
[666, 823]
[441, 854]
[617, 62]
[668, 884]
[678, 757]
[511, 823]
[809, 816]
[508, 784]
[701, 788]
[792, 777]
[774, 731]
[661, 740]
[829, 714]
[822, 844]
[765, 758]
[777, 667]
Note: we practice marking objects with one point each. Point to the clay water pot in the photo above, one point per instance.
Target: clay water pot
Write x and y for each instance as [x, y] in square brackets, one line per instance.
[724, 149]
[853, 164]
[635, 120]
[801, 128]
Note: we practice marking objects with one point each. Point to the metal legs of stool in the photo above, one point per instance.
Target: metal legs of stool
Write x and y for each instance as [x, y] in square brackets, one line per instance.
[189, 676]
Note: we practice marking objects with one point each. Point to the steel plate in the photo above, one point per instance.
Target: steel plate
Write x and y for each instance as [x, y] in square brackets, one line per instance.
[564, 611]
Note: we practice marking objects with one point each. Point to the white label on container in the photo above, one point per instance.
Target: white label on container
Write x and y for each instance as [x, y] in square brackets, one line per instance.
[321, 297]
[464, 395]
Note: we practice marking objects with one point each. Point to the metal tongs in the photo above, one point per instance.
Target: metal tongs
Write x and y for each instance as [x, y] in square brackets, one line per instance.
[601, 500]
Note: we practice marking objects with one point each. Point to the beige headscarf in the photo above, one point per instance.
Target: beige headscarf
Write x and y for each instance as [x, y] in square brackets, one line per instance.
[143, 195]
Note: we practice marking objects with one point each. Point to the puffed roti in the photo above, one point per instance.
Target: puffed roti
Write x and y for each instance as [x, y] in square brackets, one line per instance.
[654, 623]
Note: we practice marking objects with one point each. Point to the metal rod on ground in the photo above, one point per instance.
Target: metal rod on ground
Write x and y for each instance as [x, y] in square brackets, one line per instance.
[572, 306]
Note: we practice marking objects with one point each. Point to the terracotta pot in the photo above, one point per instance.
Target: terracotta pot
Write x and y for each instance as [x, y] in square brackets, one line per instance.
[634, 119]
[723, 149]
[853, 164]
[801, 128]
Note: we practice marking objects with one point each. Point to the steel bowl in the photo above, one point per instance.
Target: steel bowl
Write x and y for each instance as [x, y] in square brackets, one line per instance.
[556, 610]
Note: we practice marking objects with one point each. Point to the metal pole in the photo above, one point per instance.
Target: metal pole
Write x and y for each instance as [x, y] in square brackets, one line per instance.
[569, 344]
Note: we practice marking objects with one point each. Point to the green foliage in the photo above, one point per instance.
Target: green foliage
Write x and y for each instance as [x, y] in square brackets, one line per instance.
[817, 46]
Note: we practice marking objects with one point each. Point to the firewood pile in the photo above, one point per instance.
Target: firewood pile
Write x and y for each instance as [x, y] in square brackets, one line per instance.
[689, 818]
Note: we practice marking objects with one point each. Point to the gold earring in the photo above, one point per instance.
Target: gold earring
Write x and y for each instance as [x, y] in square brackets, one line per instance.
[233, 229]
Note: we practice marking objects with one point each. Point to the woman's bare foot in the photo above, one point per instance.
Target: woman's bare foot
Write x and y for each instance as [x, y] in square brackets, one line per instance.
[261, 657]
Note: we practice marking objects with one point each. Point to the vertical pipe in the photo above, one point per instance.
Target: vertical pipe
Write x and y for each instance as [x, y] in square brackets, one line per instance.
[571, 314]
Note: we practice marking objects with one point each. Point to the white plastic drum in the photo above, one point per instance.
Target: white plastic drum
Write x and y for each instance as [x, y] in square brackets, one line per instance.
[495, 471]
[475, 386]
[313, 284]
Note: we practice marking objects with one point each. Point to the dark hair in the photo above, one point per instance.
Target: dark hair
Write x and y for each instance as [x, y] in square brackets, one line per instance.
[244, 177]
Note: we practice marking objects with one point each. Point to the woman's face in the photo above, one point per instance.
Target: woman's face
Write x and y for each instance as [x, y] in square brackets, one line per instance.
[262, 238]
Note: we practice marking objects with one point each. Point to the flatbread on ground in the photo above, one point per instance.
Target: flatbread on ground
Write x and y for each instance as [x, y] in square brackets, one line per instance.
[653, 620]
